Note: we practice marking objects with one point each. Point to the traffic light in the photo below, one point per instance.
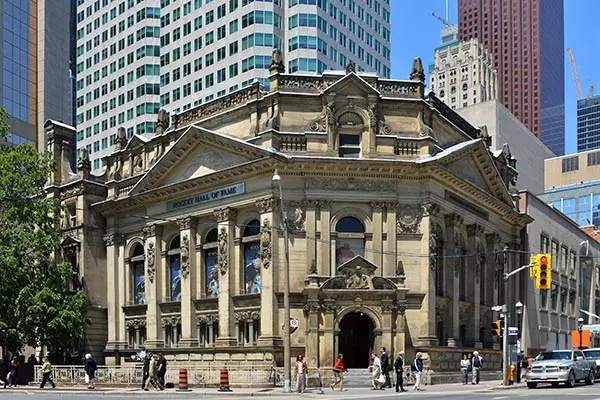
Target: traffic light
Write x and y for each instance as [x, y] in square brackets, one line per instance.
[544, 272]
[497, 328]
[534, 269]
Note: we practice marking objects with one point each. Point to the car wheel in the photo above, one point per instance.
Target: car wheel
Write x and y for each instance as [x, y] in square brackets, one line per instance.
[571, 380]
[590, 378]
[531, 385]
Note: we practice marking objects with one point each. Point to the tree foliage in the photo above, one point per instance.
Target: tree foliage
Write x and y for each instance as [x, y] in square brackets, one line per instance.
[35, 306]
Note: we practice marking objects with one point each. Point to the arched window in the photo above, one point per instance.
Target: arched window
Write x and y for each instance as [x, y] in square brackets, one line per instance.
[174, 269]
[251, 247]
[211, 271]
[137, 269]
[350, 240]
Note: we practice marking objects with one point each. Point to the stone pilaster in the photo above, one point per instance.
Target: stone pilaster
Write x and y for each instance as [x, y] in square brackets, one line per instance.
[312, 332]
[227, 269]
[115, 260]
[154, 283]
[328, 334]
[324, 263]
[377, 242]
[474, 267]
[400, 330]
[189, 270]
[452, 265]
[270, 264]
[311, 229]
[390, 258]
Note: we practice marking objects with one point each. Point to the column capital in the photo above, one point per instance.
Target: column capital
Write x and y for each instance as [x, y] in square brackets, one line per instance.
[114, 239]
[430, 209]
[324, 204]
[377, 206]
[474, 230]
[185, 222]
[266, 204]
[151, 230]
[225, 214]
[454, 219]
[311, 204]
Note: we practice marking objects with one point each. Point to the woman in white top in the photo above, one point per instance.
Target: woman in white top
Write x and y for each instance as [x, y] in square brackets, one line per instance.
[465, 365]
[375, 371]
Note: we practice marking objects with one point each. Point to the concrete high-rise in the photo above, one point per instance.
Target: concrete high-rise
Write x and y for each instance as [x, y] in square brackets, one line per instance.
[526, 38]
[35, 56]
[134, 57]
[588, 124]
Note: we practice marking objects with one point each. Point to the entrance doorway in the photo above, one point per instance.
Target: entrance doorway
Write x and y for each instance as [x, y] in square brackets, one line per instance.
[356, 339]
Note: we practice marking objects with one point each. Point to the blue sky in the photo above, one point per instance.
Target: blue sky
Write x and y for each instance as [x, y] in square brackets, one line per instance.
[415, 33]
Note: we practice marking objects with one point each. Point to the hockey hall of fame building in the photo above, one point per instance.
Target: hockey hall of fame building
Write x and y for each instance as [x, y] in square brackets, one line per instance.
[395, 209]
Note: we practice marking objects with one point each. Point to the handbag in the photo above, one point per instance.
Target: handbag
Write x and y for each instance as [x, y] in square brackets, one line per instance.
[87, 378]
[381, 378]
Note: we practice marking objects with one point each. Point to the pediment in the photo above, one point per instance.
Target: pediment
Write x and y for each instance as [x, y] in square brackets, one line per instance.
[135, 142]
[357, 265]
[197, 153]
[352, 85]
[469, 170]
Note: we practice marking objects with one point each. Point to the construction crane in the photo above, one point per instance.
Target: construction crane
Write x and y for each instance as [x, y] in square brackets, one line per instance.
[576, 78]
[442, 20]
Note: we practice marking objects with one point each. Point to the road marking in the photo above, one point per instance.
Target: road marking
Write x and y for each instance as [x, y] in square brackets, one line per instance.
[502, 397]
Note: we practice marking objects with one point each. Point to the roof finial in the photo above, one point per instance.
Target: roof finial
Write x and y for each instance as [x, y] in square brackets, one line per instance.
[351, 67]
[417, 73]
[277, 65]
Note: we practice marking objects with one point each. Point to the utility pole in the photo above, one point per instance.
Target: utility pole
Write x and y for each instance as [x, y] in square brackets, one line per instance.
[505, 353]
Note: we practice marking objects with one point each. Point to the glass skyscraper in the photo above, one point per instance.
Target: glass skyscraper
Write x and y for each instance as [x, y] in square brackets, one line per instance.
[588, 124]
[136, 56]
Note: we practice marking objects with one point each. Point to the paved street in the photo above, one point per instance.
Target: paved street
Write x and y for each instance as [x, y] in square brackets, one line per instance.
[488, 390]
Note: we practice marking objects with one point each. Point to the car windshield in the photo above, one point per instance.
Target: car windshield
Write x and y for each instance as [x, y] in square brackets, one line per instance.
[592, 354]
[555, 355]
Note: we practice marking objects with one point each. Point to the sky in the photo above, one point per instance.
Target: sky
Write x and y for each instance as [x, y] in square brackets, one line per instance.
[415, 33]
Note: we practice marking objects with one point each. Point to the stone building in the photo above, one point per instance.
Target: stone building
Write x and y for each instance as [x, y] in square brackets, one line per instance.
[396, 211]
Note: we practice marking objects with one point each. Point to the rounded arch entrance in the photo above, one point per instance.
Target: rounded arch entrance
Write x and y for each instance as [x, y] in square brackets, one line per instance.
[356, 338]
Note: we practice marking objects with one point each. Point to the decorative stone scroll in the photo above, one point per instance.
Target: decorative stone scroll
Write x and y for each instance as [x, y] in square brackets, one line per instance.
[266, 244]
[408, 218]
[223, 252]
[150, 258]
[224, 214]
[185, 256]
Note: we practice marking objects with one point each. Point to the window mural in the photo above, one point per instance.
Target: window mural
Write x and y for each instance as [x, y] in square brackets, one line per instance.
[175, 277]
[139, 284]
[212, 273]
[252, 276]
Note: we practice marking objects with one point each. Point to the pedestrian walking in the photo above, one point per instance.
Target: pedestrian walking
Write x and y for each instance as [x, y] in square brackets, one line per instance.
[90, 371]
[477, 363]
[32, 360]
[47, 373]
[465, 366]
[338, 370]
[145, 369]
[300, 369]
[11, 376]
[152, 373]
[376, 373]
[417, 368]
[385, 368]
[162, 370]
[399, 368]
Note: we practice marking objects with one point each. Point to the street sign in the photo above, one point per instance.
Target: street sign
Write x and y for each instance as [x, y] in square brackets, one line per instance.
[294, 324]
[512, 331]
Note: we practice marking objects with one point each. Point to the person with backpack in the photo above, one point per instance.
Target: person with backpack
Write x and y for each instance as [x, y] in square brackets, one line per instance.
[417, 368]
[477, 363]
[90, 371]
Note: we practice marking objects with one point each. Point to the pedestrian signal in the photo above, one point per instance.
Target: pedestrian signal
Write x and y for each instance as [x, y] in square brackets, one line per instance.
[497, 328]
[544, 272]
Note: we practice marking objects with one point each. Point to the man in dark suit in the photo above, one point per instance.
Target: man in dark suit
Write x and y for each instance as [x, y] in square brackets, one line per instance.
[385, 368]
[399, 367]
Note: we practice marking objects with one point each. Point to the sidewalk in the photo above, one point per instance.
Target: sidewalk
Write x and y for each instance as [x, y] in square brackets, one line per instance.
[262, 392]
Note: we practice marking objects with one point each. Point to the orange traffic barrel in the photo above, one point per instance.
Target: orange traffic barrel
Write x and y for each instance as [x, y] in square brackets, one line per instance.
[224, 381]
[183, 380]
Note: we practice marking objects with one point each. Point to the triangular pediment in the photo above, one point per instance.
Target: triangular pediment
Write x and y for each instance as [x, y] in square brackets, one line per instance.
[135, 142]
[351, 85]
[468, 169]
[357, 265]
[197, 153]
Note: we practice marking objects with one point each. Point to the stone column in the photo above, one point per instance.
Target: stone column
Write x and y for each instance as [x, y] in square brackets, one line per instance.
[154, 283]
[227, 268]
[189, 269]
[377, 243]
[115, 259]
[399, 337]
[324, 254]
[387, 329]
[453, 265]
[311, 229]
[312, 331]
[390, 258]
[269, 335]
[327, 346]
[475, 264]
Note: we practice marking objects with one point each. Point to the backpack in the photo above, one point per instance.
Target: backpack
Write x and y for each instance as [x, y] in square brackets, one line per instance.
[413, 366]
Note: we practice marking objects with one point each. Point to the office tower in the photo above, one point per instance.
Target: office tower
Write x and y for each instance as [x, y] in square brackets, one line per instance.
[35, 66]
[588, 123]
[526, 38]
[463, 74]
[135, 57]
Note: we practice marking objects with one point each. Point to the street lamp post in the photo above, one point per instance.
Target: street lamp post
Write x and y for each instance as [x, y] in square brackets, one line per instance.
[287, 374]
[580, 329]
[519, 312]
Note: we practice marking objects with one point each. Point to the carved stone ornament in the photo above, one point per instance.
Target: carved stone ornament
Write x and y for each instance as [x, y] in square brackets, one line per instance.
[351, 184]
[223, 253]
[433, 248]
[135, 323]
[359, 280]
[430, 209]
[377, 206]
[312, 307]
[265, 205]
[329, 307]
[225, 214]
[172, 320]
[458, 258]
[162, 122]
[249, 315]
[185, 256]
[296, 216]
[207, 319]
[408, 218]
[151, 231]
[480, 263]
[113, 239]
[400, 269]
[151, 267]
[266, 244]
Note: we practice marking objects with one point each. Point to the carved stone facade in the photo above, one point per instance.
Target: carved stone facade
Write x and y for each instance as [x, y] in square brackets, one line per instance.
[372, 227]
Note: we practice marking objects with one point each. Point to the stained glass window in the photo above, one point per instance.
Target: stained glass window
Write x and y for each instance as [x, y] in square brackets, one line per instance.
[210, 264]
[252, 278]
[175, 270]
[139, 284]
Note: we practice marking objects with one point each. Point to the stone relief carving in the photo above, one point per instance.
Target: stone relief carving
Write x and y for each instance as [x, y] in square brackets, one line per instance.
[358, 280]
[312, 307]
[150, 261]
[135, 323]
[115, 170]
[224, 214]
[223, 252]
[266, 245]
[184, 223]
[162, 122]
[172, 320]
[265, 205]
[207, 318]
[296, 216]
[458, 258]
[430, 209]
[400, 269]
[329, 307]
[350, 183]
[480, 264]
[185, 256]
[408, 219]
[250, 315]
[433, 248]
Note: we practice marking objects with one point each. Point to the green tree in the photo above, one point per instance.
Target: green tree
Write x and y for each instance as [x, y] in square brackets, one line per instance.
[35, 306]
